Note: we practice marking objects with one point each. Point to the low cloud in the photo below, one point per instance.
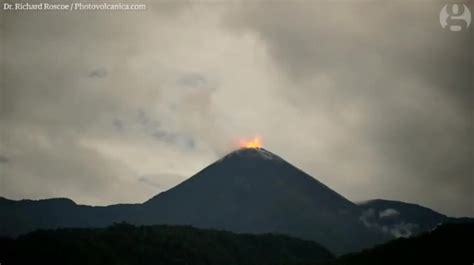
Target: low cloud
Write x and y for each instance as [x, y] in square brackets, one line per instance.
[387, 213]
[373, 220]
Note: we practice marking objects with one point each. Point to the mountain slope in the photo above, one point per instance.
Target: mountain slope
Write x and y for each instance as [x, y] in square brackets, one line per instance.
[252, 190]
[399, 218]
[127, 244]
[23, 216]
[447, 244]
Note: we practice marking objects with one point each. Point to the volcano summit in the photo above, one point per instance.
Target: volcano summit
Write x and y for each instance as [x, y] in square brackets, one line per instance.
[253, 190]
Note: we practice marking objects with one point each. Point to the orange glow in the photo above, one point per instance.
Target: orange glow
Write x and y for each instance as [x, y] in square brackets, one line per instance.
[256, 142]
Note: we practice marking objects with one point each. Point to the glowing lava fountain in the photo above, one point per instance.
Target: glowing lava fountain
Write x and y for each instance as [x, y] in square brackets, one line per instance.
[256, 142]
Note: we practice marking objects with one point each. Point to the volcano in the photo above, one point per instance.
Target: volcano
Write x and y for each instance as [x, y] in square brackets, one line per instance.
[252, 190]
[246, 189]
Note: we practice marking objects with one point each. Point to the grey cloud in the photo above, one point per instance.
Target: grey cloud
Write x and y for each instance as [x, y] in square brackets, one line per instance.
[98, 73]
[4, 159]
[373, 99]
[387, 213]
[161, 181]
[147, 180]
[155, 129]
[192, 80]
[402, 229]
[118, 124]
[63, 163]
[395, 83]
[61, 127]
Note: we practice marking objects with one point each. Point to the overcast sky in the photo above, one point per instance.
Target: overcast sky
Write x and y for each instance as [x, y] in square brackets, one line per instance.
[372, 98]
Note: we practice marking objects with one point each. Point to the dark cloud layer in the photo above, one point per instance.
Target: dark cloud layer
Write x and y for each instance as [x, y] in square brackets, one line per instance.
[372, 98]
[390, 63]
